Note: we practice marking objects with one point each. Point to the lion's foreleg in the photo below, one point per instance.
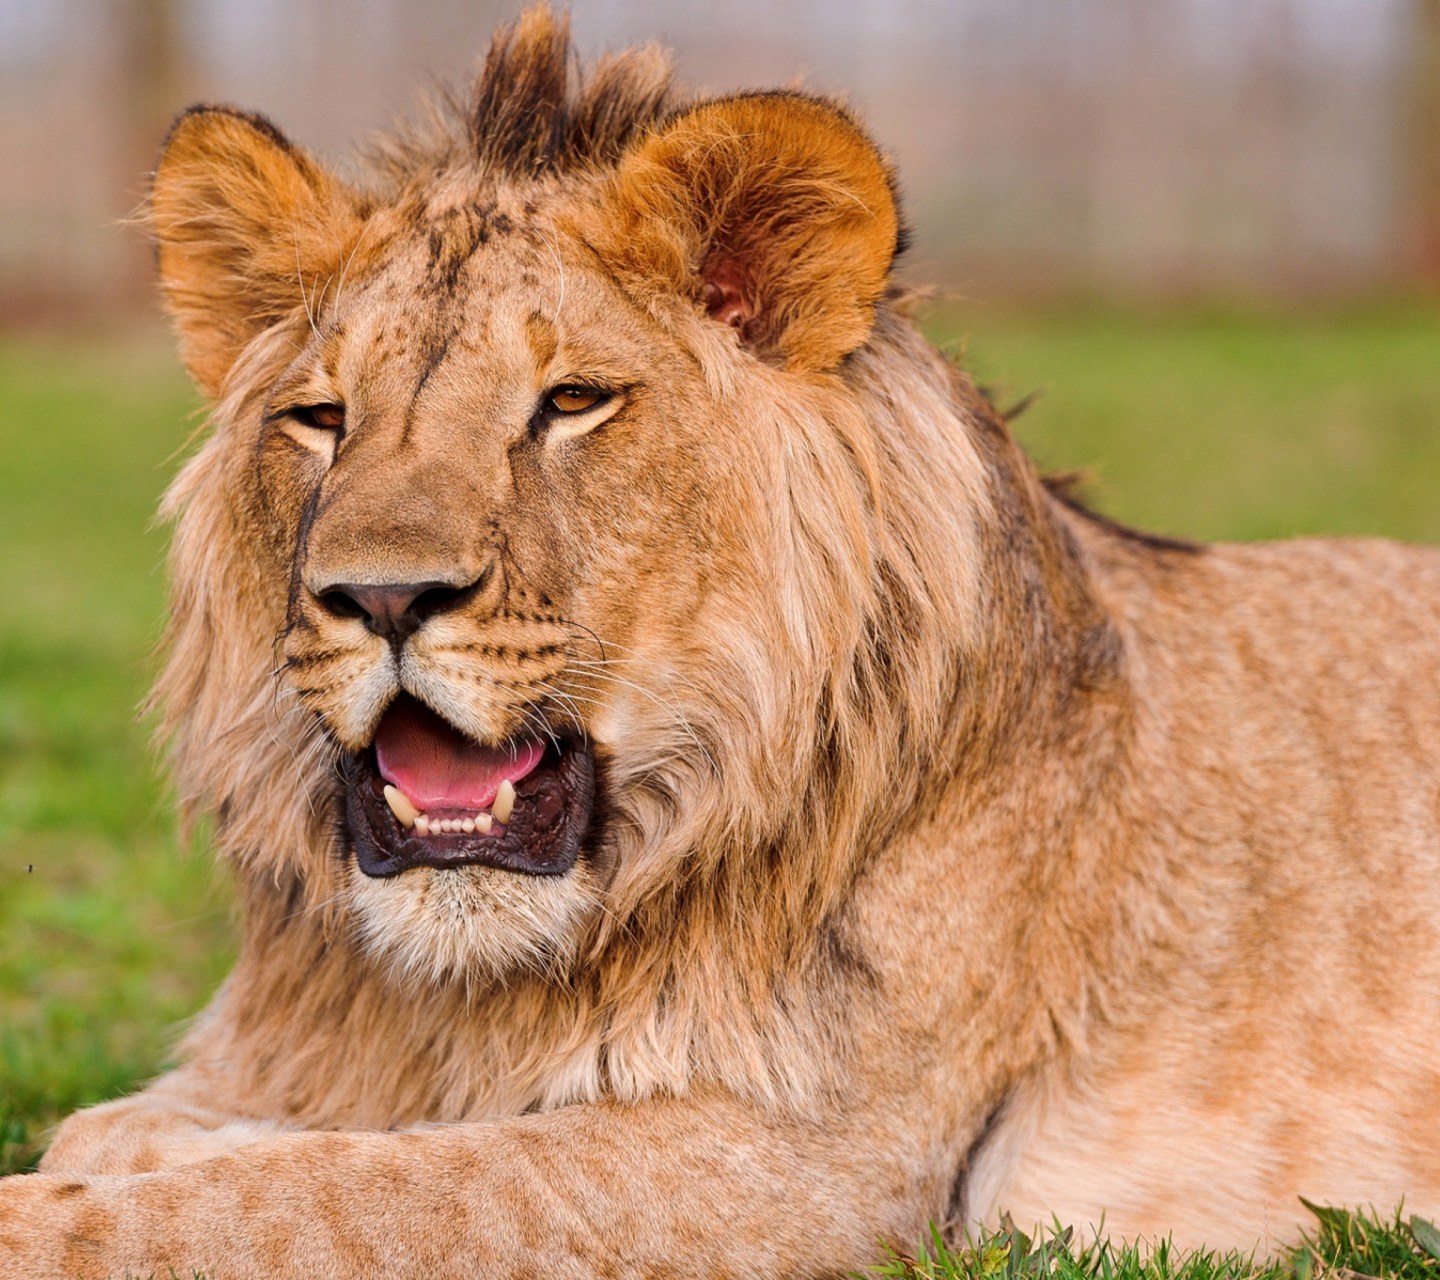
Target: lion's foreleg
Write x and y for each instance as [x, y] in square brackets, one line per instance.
[674, 1188]
[158, 1129]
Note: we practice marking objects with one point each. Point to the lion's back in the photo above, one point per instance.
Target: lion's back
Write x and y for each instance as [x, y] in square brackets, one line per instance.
[1330, 641]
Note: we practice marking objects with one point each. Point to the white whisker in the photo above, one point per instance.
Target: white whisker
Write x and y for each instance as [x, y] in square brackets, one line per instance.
[676, 715]
[339, 288]
[300, 278]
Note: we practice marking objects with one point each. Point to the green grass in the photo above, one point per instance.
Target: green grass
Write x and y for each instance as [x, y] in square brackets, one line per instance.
[1200, 425]
[1341, 1245]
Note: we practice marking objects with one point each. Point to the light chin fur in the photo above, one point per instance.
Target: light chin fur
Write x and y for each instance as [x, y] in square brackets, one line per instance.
[471, 924]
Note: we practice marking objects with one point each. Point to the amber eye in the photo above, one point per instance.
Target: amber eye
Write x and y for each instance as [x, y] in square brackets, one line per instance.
[326, 417]
[576, 399]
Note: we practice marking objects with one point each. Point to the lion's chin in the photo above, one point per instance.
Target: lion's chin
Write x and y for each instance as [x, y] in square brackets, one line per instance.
[472, 923]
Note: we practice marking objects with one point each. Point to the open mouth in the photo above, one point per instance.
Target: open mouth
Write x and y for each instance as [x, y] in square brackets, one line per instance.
[424, 795]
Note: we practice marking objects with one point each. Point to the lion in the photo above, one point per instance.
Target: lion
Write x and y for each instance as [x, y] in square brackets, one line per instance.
[702, 805]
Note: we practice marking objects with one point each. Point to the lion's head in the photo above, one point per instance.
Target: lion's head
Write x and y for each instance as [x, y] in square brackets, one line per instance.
[582, 536]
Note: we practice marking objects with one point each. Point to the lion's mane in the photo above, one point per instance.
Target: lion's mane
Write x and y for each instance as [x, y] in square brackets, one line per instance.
[722, 943]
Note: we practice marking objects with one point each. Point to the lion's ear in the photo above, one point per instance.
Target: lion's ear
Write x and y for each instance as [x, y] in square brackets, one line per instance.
[773, 211]
[247, 228]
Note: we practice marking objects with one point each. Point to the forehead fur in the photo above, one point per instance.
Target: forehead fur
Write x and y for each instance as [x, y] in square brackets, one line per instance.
[534, 111]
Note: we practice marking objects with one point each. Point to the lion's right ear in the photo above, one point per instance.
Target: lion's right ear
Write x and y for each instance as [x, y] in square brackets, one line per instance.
[247, 228]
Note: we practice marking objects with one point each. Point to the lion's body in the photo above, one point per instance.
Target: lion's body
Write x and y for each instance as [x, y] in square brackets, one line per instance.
[951, 851]
[1280, 1043]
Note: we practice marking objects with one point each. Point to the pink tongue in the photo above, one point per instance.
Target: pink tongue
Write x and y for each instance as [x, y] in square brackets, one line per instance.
[440, 768]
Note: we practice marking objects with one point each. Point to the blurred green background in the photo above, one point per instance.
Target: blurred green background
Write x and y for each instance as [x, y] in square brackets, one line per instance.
[1209, 425]
[116, 933]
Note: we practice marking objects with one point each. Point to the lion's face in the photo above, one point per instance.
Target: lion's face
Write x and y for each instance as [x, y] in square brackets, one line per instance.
[523, 460]
[508, 540]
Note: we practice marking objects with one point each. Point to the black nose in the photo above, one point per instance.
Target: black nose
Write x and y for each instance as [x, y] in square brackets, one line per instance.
[394, 610]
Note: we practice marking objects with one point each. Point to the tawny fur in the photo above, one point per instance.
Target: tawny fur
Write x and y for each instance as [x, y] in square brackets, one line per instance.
[960, 852]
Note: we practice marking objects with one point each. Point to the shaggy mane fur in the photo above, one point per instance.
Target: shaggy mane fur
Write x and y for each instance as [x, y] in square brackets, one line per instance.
[535, 110]
[723, 945]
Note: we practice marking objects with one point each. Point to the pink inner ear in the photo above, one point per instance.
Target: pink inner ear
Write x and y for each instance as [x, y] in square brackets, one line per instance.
[726, 294]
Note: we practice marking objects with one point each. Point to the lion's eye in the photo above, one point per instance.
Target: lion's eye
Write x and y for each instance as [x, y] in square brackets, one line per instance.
[576, 399]
[325, 417]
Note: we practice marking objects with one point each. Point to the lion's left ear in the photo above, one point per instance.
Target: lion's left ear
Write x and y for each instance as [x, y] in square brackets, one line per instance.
[773, 211]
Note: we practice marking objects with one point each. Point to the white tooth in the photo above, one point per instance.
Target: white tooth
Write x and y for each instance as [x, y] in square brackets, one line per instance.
[504, 802]
[400, 806]
[448, 826]
[483, 822]
[422, 825]
[468, 825]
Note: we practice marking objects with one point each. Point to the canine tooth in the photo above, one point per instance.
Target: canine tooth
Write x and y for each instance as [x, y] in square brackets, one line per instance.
[468, 825]
[422, 825]
[504, 801]
[483, 823]
[400, 806]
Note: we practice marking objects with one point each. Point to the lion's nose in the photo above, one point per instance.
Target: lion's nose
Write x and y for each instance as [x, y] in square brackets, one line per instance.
[394, 610]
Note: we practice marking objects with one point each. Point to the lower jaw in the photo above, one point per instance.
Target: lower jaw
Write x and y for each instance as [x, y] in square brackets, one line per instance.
[542, 838]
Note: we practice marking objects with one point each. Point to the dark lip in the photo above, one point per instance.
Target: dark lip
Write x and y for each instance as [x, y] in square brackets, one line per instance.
[554, 808]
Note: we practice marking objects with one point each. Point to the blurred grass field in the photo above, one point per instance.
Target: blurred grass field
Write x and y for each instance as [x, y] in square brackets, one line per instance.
[115, 935]
[1200, 425]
